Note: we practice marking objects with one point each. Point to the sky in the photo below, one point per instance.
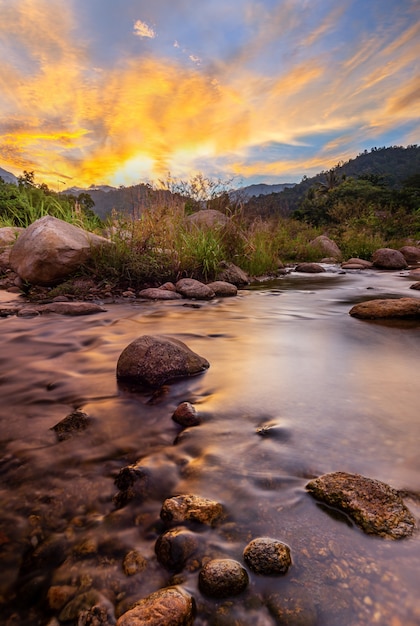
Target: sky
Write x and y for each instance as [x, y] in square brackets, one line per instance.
[126, 91]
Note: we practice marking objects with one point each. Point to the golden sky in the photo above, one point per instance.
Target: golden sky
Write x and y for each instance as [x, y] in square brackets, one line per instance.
[112, 92]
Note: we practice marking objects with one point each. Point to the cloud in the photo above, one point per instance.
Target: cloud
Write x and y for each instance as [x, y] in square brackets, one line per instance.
[141, 29]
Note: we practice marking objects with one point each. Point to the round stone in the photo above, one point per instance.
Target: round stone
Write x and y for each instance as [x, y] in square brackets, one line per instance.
[221, 578]
[267, 556]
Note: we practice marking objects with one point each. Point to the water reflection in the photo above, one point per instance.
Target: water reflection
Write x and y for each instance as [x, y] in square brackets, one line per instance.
[296, 388]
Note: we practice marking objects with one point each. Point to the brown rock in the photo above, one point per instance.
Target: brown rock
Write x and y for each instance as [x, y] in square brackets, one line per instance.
[233, 274]
[411, 254]
[155, 360]
[267, 556]
[357, 261]
[175, 547]
[166, 607]
[186, 415]
[326, 246]
[309, 268]
[134, 563]
[76, 421]
[190, 508]
[191, 288]
[221, 578]
[389, 259]
[223, 289]
[398, 308]
[373, 505]
[415, 286]
[70, 308]
[159, 293]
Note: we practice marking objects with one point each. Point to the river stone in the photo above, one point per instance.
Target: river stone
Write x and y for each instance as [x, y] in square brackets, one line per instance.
[156, 360]
[363, 262]
[221, 578]
[133, 563]
[413, 286]
[267, 556]
[51, 249]
[76, 421]
[309, 268]
[327, 246]
[186, 415]
[191, 288]
[411, 254]
[70, 308]
[393, 308]
[414, 274]
[374, 506]
[190, 508]
[233, 274]
[223, 289]
[167, 607]
[159, 293]
[389, 259]
[174, 548]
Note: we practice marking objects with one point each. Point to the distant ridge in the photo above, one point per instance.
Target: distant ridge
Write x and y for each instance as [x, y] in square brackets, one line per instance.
[261, 189]
[8, 177]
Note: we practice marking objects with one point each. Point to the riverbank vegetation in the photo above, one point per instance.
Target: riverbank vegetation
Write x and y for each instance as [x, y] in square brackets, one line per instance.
[160, 242]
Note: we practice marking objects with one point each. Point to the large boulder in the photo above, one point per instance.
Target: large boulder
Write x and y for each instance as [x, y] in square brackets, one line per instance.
[389, 259]
[191, 288]
[223, 289]
[50, 250]
[392, 308]
[171, 606]
[207, 218]
[231, 273]
[326, 246]
[373, 505]
[411, 254]
[156, 360]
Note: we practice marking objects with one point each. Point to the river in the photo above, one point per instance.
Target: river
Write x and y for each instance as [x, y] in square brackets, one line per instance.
[334, 393]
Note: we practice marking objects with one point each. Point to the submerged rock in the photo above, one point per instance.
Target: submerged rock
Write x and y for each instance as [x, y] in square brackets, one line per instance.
[413, 286]
[171, 606]
[75, 422]
[374, 506]
[221, 578]
[156, 360]
[267, 556]
[174, 548]
[190, 508]
[392, 308]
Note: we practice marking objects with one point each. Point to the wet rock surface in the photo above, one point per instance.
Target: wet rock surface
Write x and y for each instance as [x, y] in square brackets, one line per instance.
[174, 547]
[221, 578]
[309, 268]
[374, 506]
[166, 607]
[267, 556]
[155, 360]
[395, 308]
[186, 415]
[191, 508]
[75, 422]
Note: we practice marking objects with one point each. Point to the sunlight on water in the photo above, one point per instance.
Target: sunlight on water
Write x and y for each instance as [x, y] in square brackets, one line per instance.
[296, 388]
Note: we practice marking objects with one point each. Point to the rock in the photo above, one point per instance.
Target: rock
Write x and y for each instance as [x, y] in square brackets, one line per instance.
[233, 274]
[50, 250]
[413, 286]
[191, 288]
[59, 595]
[9, 234]
[168, 286]
[389, 259]
[207, 218]
[70, 308]
[309, 268]
[356, 264]
[156, 360]
[414, 274]
[84, 602]
[293, 608]
[190, 508]
[393, 308]
[171, 606]
[221, 578]
[133, 563]
[374, 506]
[74, 422]
[175, 547]
[96, 616]
[267, 556]
[411, 254]
[186, 415]
[222, 289]
[327, 246]
[158, 293]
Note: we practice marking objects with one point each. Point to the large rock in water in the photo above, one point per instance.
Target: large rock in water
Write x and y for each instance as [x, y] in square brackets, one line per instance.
[392, 308]
[156, 360]
[50, 249]
[373, 505]
[389, 259]
[171, 606]
[191, 288]
[411, 254]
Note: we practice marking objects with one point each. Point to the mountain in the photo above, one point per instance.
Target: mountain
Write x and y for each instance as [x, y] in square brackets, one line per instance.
[392, 165]
[260, 190]
[8, 177]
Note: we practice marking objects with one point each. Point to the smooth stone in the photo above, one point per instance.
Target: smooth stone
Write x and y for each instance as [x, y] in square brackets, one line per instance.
[389, 259]
[159, 293]
[191, 288]
[393, 308]
[186, 415]
[309, 268]
[221, 578]
[222, 289]
[174, 548]
[167, 607]
[267, 556]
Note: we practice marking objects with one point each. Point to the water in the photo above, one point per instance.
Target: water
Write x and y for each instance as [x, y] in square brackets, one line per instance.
[336, 394]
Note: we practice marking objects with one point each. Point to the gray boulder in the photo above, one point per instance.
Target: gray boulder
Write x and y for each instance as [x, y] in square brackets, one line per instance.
[392, 308]
[389, 259]
[374, 506]
[191, 288]
[156, 360]
[326, 246]
[171, 606]
[50, 250]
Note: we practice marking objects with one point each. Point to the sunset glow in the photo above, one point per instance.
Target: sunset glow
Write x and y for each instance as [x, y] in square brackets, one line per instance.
[269, 90]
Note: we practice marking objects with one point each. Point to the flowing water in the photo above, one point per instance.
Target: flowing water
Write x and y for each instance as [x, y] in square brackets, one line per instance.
[333, 392]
